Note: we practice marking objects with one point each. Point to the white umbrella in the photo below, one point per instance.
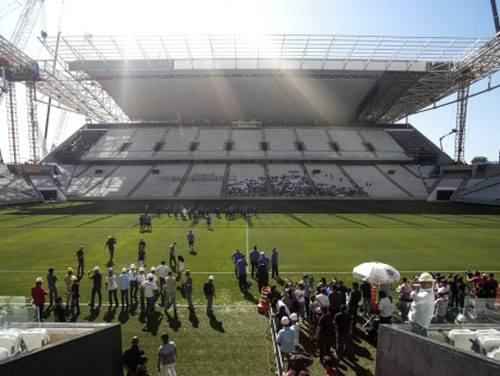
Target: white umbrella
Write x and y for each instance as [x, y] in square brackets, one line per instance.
[376, 272]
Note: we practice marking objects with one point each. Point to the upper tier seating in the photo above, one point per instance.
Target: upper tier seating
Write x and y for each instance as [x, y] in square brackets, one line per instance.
[281, 142]
[247, 143]
[143, 142]
[109, 145]
[212, 143]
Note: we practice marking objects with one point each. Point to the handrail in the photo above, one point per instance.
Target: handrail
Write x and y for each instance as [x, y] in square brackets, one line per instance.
[276, 359]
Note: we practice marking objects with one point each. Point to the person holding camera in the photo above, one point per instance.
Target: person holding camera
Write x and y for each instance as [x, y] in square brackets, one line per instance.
[422, 306]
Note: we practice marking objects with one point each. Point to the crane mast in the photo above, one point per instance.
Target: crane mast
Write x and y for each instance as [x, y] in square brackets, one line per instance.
[19, 39]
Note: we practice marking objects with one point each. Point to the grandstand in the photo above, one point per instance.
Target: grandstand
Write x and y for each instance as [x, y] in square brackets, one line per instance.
[289, 115]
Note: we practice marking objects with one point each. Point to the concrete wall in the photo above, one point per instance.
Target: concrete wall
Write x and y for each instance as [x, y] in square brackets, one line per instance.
[403, 353]
[96, 353]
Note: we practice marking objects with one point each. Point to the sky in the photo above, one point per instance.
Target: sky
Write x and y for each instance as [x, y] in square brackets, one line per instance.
[429, 18]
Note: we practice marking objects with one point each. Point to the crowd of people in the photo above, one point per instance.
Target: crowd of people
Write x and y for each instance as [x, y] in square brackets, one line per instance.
[291, 185]
[329, 310]
[247, 187]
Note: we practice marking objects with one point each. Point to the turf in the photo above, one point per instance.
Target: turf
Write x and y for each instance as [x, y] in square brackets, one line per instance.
[325, 238]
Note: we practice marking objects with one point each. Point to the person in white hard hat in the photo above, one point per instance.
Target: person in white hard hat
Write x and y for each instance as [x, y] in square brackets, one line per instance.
[141, 278]
[96, 278]
[132, 277]
[124, 286]
[422, 307]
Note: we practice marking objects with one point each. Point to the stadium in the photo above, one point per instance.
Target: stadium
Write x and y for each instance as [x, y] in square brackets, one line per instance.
[299, 142]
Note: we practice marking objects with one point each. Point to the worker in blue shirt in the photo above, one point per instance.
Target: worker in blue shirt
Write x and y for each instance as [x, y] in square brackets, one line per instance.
[190, 239]
[264, 260]
[242, 264]
[235, 257]
[172, 260]
[274, 263]
[254, 260]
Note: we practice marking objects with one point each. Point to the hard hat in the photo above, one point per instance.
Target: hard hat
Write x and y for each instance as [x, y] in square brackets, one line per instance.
[96, 268]
[69, 269]
[110, 270]
[262, 254]
[293, 317]
[132, 266]
[425, 277]
[153, 269]
[39, 280]
[211, 278]
[150, 276]
[124, 270]
[285, 321]
[141, 269]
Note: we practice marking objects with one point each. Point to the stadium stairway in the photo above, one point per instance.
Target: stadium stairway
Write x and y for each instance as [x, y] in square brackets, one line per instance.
[137, 186]
[393, 181]
[183, 181]
[348, 177]
[225, 180]
[310, 181]
[100, 181]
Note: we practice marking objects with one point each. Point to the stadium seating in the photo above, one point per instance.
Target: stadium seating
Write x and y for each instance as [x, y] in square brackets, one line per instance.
[204, 180]
[162, 181]
[119, 182]
[246, 179]
[141, 161]
[374, 183]
[405, 179]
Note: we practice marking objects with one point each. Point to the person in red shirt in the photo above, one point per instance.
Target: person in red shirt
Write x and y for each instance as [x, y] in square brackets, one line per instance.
[475, 279]
[329, 368]
[38, 294]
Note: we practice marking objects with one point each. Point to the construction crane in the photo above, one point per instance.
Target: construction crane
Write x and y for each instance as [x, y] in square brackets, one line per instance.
[446, 135]
[19, 39]
[466, 77]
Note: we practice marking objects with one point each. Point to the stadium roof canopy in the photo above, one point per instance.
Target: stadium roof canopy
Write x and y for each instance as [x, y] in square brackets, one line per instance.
[293, 78]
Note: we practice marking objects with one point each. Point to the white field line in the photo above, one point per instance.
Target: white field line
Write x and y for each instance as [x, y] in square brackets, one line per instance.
[292, 273]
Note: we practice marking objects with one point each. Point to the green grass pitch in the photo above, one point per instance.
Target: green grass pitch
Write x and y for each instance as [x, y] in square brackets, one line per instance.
[325, 238]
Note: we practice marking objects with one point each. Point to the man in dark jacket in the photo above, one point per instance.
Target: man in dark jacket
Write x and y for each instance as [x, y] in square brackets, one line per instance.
[209, 291]
[131, 357]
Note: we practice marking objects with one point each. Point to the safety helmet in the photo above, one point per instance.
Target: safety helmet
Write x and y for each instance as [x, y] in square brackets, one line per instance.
[39, 280]
[132, 266]
[425, 277]
[124, 270]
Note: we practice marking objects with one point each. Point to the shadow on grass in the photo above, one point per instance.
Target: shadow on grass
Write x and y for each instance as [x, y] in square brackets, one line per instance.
[248, 296]
[110, 314]
[173, 321]
[94, 313]
[194, 319]
[124, 315]
[152, 322]
[215, 324]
